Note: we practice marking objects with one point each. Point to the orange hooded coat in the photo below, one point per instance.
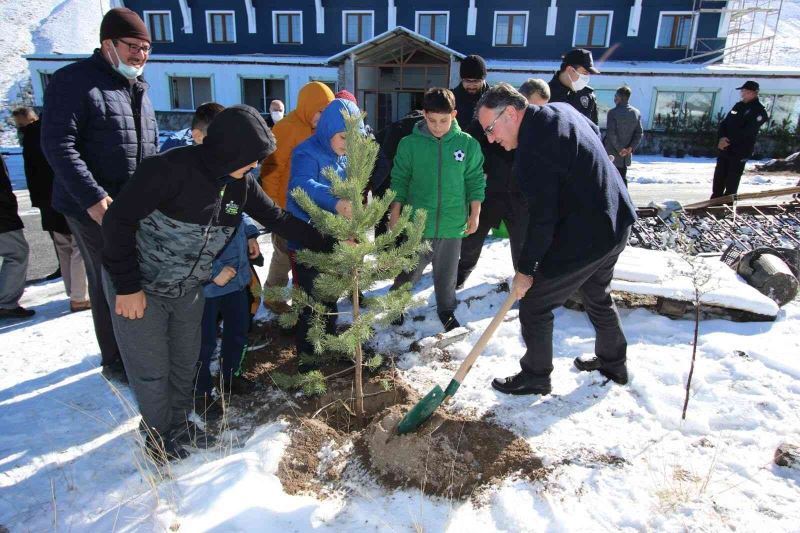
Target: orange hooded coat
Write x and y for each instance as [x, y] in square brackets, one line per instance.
[293, 129]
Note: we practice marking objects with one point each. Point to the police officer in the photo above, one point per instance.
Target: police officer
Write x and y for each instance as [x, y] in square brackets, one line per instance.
[571, 83]
[737, 139]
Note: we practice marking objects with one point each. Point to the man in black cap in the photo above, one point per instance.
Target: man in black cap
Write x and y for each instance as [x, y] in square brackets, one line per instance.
[98, 125]
[571, 83]
[737, 139]
[472, 86]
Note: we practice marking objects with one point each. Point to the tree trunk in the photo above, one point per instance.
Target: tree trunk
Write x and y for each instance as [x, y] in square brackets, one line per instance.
[359, 354]
[694, 351]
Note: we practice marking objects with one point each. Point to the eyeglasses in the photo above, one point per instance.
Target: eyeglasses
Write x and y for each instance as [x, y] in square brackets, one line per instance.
[135, 48]
[489, 130]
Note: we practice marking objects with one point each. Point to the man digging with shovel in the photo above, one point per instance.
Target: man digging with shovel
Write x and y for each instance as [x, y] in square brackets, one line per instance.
[580, 220]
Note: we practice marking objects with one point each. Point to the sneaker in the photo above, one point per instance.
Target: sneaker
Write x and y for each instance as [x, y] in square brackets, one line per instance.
[77, 307]
[617, 374]
[17, 312]
[190, 434]
[449, 321]
[162, 451]
[115, 371]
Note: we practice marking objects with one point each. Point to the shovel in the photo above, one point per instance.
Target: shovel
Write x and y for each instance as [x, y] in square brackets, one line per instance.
[426, 406]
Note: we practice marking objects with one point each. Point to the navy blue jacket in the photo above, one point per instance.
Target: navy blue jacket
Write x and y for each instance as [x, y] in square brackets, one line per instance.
[236, 255]
[96, 129]
[579, 207]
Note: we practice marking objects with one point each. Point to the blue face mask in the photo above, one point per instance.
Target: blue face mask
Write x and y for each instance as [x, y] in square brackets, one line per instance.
[130, 72]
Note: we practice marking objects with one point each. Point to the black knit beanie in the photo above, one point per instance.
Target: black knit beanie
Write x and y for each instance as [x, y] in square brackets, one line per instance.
[121, 22]
[473, 67]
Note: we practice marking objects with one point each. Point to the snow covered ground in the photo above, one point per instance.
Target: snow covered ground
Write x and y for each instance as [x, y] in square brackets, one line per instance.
[68, 456]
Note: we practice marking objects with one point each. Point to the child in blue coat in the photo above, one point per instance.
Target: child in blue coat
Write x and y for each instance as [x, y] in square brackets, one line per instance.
[326, 148]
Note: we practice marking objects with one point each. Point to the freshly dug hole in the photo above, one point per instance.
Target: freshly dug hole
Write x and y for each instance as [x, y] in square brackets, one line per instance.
[447, 456]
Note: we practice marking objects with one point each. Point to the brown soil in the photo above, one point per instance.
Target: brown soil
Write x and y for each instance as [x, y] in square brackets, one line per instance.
[448, 456]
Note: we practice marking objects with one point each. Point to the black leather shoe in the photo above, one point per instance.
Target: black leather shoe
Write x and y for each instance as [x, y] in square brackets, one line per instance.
[520, 384]
[617, 374]
[449, 321]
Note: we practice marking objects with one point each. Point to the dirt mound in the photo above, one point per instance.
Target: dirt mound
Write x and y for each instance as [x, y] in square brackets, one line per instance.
[303, 467]
[448, 456]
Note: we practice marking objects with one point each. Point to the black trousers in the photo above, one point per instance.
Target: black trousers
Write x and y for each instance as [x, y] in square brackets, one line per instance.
[90, 242]
[593, 283]
[623, 171]
[727, 175]
[304, 277]
[495, 208]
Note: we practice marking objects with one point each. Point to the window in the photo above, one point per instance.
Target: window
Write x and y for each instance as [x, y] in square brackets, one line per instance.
[592, 29]
[674, 30]
[160, 25]
[605, 102]
[782, 107]
[677, 109]
[45, 77]
[433, 25]
[287, 27]
[187, 93]
[357, 26]
[259, 93]
[331, 84]
[221, 27]
[510, 28]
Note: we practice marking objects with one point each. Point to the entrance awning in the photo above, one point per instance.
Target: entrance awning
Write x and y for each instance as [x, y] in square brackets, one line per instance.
[382, 48]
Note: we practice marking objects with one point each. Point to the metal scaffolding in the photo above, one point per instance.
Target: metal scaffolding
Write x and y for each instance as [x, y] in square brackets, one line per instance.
[749, 37]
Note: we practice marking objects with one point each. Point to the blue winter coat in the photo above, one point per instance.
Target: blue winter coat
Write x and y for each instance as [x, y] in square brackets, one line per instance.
[312, 156]
[96, 129]
[234, 255]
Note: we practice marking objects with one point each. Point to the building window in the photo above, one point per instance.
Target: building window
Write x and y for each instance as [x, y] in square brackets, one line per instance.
[592, 29]
[357, 26]
[259, 93]
[674, 30]
[331, 85]
[510, 28]
[681, 109]
[605, 102]
[434, 25]
[45, 77]
[287, 27]
[782, 108]
[187, 93]
[221, 27]
[159, 23]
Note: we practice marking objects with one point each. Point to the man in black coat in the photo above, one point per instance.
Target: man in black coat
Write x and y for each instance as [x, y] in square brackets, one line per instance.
[39, 177]
[580, 219]
[571, 83]
[737, 140]
[472, 86]
[98, 125]
[13, 252]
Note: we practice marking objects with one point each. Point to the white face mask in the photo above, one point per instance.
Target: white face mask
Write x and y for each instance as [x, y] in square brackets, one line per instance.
[126, 70]
[276, 115]
[580, 83]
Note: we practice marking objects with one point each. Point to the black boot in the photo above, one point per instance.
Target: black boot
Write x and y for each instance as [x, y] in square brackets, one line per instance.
[449, 321]
[208, 408]
[190, 434]
[17, 312]
[617, 374]
[240, 385]
[521, 384]
[115, 371]
[461, 279]
[162, 450]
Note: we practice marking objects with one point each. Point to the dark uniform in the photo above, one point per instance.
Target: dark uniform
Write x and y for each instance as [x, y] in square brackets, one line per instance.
[740, 126]
[584, 100]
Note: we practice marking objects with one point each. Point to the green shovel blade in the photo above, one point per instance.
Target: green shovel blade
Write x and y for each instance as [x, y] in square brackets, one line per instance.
[421, 412]
[425, 407]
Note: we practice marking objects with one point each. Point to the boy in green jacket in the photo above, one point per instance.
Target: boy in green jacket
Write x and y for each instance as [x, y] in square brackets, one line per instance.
[439, 168]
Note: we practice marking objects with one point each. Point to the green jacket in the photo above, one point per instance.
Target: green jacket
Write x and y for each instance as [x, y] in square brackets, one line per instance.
[441, 176]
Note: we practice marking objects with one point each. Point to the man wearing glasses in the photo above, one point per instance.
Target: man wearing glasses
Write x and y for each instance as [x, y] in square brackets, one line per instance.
[97, 126]
[580, 215]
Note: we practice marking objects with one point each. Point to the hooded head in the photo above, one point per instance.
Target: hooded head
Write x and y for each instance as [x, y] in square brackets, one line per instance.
[332, 122]
[237, 137]
[312, 99]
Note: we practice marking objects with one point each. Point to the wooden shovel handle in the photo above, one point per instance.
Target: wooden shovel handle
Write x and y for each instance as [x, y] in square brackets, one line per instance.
[484, 340]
